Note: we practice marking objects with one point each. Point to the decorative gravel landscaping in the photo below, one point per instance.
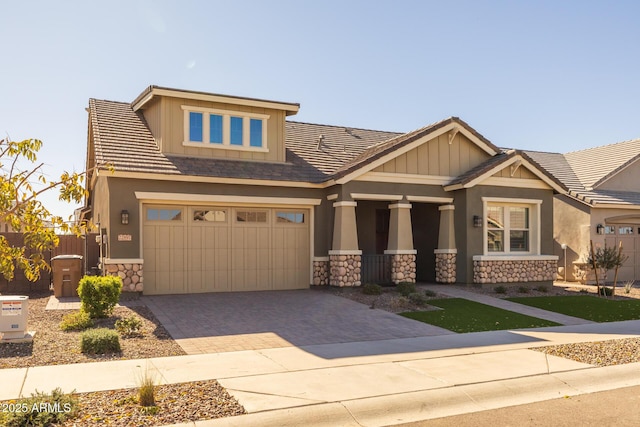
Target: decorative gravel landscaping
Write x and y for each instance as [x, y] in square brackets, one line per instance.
[52, 346]
[175, 403]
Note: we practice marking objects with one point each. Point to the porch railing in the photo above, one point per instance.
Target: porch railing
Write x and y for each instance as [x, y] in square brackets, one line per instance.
[376, 269]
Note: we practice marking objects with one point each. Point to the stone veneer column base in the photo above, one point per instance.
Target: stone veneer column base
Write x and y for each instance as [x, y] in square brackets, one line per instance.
[513, 271]
[446, 267]
[131, 273]
[320, 271]
[403, 268]
[344, 270]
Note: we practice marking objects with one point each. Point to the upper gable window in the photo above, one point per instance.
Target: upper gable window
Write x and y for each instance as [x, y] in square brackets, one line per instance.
[212, 128]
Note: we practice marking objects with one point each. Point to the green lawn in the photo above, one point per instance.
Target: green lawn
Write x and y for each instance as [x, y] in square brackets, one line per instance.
[586, 307]
[460, 315]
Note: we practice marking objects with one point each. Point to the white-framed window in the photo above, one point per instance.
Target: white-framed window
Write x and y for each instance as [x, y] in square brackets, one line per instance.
[225, 129]
[511, 226]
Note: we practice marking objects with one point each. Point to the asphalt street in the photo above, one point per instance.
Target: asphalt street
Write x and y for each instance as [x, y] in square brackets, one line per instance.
[619, 407]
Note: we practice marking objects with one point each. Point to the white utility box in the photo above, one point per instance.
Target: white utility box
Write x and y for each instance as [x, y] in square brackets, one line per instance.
[14, 311]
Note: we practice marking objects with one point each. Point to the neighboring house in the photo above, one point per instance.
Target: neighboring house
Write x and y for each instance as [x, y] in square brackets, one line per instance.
[200, 192]
[602, 204]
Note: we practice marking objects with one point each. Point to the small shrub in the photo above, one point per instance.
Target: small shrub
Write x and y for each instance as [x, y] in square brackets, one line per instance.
[500, 290]
[99, 294]
[430, 293]
[100, 341]
[607, 292]
[129, 326]
[76, 321]
[628, 286]
[372, 289]
[406, 288]
[418, 299]
[42, 409]
[523, 290]
[542, 288]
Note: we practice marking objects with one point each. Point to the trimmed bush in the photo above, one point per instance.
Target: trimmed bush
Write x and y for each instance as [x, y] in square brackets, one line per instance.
[100, 341]
[372, 289]
[523, 290]
[406, 288]
[99, 294]
[76, 321]
[129, 326]
[500, 290]
[41, 410]
[430, 293]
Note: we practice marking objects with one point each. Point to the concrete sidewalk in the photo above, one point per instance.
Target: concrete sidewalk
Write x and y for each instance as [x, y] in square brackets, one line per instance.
[370, 383]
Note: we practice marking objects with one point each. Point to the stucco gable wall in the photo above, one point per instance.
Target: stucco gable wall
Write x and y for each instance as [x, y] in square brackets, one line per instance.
[437, 157]
[627, 179]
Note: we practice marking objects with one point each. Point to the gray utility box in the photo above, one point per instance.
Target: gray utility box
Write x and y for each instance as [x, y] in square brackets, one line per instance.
[67, 272]
[14, 311]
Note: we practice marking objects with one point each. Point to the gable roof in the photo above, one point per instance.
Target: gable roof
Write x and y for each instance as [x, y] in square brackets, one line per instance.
[593, 166]
[315, 154]
[499, 162]
[583, 171]
[390, 148]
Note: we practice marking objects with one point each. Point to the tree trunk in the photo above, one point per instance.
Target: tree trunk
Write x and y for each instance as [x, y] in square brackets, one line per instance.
[595, 267]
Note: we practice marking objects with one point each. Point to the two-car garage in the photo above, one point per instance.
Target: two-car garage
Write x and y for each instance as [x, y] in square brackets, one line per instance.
[225, 248]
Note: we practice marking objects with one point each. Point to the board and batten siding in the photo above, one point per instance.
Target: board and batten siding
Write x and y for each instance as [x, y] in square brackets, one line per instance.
[521, 172]
[437, 158]
[153, 115]
[166, 121]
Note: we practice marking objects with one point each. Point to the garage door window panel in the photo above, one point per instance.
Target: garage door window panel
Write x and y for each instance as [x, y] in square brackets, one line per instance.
[164, 214]
[209, 216]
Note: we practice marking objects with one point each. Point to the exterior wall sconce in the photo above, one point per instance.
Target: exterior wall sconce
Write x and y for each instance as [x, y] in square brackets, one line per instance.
[600, 229]
[477, 221]
[124, 217]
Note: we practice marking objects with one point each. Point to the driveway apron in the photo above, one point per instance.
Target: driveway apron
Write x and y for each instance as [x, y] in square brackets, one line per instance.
[221, 322]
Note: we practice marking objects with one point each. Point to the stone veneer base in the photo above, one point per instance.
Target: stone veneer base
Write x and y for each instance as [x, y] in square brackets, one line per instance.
[514, 271]
[130, 273]
[320, 273]
[446, 267]
[344, 270]
[403, 268]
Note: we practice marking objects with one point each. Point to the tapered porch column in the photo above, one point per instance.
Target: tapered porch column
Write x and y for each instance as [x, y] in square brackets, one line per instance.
[400, 244]
[447, 252]
[345, 259]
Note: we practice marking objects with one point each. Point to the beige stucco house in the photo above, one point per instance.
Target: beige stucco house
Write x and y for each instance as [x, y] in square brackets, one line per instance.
[602, 204]
[201, 192]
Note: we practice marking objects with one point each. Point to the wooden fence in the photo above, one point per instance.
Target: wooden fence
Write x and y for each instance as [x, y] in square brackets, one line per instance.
[69, 245]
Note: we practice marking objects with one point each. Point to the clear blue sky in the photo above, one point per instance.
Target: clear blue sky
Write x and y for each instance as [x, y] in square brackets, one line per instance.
[545, 75]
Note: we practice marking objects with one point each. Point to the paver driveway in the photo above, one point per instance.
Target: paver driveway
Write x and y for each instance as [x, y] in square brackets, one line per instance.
[218, 322]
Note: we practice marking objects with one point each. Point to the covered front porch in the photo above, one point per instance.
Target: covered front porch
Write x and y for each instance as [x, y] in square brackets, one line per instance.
[389, 238]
